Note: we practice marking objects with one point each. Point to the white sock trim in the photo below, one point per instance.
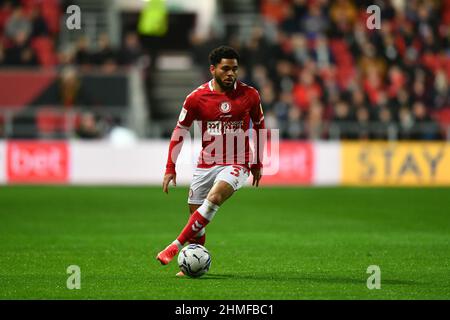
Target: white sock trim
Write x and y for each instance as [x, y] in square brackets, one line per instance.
[179, 245]
[200, 233]
[208, 210]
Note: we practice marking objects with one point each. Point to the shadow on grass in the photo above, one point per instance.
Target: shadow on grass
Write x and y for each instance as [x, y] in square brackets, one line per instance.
[303, 278]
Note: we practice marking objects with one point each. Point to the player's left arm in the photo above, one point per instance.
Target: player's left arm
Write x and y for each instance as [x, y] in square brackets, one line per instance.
[257, 116]
[187, 116]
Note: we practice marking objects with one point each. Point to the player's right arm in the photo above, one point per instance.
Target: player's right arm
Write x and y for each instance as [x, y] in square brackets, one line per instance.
[187, 116]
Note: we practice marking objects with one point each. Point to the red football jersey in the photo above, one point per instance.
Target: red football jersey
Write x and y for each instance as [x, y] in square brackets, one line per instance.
[224, 119]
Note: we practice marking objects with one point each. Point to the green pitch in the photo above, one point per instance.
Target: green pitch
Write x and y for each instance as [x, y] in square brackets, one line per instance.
[266, 243]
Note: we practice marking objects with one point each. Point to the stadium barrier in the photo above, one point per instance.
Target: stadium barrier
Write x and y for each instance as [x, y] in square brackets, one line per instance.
[299, 163]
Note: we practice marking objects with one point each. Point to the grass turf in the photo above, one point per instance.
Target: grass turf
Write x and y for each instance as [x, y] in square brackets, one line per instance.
[266, 243]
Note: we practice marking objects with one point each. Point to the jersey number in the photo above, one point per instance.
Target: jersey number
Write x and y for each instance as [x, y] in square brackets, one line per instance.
[237, 170]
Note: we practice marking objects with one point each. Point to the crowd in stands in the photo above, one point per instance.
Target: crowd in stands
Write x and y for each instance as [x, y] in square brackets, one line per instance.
[27, 28]
[105, 56]
[29, 37]
[322, 73]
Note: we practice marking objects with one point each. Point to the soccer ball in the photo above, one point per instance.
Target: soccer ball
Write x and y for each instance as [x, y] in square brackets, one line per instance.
[194, 260]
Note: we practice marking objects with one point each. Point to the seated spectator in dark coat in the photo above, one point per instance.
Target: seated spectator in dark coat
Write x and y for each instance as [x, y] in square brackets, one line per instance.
[131, 51]
[105, 52]
[342, 120]
[424, 127]
[39, 26]
[83, 56]
[20, 54]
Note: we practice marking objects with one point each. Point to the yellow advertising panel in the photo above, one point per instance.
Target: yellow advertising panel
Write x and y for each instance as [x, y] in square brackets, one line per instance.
[395, 163]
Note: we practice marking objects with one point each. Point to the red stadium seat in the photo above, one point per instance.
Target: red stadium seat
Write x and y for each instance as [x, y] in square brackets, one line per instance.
[51, 12]
[28, 6]
[443, 118]
[4, 16]
[50, 9]
[45, 51]
[48, 121]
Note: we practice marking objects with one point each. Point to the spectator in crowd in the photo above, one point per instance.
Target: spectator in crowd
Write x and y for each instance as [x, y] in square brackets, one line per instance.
[300, 50]
[281, 111]
[20, 53]
[274, 11]
[362, 128]
[39, 25]
[396, 81]
[17, 24]
[306, 90]
[259, 75]
[88, 127]
[290, 23]
[341, 121]
[284, 76]
[442, 90]
[315, 22]
[321, 53]
[83, 55]
[131, 51]
[383, 127]
[256, 49]
[72, 91]
[406, 123]
[359, 99]
[6, 9]
[69, 87]
[424, 128]
[401, 99]
[295, 125]
[343, 15]
[105, 56]
[268, 96]
[315, 126]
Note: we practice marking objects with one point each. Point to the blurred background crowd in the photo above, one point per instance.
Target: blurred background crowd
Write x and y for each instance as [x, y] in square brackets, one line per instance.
[321, 72]
[29, 35]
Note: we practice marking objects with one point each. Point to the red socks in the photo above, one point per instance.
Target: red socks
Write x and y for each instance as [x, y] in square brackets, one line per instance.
[195, 224]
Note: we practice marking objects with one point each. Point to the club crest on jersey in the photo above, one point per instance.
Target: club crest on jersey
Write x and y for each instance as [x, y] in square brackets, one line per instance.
[225, 107]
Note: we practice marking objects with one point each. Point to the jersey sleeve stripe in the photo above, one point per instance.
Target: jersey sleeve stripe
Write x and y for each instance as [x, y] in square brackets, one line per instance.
[181, 126]
[260, 120]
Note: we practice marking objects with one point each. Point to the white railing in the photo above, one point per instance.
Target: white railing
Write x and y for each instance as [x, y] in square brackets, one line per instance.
[58, 122]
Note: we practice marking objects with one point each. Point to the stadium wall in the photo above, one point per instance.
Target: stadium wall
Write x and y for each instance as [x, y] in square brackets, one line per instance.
[299, 163]
[2, 163]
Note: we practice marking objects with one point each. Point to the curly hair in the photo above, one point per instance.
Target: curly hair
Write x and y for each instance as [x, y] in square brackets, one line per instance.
[222, 52]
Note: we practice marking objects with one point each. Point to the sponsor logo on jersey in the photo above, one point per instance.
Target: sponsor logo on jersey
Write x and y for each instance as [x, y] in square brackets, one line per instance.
[225, 107]
[232, 126]
[214, 128]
